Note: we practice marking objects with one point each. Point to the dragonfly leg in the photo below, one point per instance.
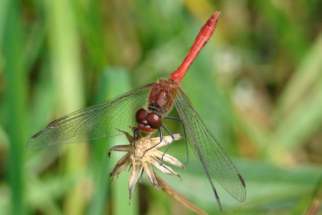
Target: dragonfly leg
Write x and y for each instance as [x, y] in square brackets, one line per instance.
[136, 133]
[161, 138]
[160, 135]
[168, 132]
[165, 151]
[152, 147]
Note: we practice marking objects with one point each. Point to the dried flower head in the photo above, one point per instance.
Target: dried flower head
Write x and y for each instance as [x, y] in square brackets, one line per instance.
[143, 155]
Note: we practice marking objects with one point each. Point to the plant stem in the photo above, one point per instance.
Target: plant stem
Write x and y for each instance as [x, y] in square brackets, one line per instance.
[179, 198]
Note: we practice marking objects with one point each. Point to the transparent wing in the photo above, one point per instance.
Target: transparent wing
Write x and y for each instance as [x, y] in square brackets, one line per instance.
[217, 165]
[96, 122]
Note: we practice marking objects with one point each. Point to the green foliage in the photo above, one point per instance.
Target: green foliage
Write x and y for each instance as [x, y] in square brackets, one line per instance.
[257, 84]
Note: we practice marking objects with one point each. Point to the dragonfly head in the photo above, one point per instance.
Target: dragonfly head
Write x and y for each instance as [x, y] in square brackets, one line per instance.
[147, 120]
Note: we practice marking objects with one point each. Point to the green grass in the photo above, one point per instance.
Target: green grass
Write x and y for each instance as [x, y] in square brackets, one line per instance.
[257, 85]
[15, 102]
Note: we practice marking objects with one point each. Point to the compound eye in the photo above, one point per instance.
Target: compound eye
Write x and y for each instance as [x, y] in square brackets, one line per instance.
[154, 120]
[140, 115]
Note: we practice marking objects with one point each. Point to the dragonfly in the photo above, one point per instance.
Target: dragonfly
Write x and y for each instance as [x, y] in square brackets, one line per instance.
[152, 104]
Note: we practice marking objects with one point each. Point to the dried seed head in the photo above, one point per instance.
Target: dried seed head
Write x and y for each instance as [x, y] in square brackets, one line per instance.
[144, 155]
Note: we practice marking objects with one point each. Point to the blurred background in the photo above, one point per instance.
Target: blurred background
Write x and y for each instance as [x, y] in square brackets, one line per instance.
[257, 84]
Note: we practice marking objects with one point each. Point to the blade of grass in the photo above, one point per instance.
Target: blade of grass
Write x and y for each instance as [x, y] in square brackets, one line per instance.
[4, 200]
[305, 118]
[120, 186]
[16, 103]
[3, 16]
[308, 73]
[99, 161]
[43, 194]
[290, 34]
[66, 69]
[91, 22]
[90, 19]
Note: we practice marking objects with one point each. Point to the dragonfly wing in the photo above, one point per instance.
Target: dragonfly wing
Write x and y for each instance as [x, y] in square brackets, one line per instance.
[216, 163]
[95, 122]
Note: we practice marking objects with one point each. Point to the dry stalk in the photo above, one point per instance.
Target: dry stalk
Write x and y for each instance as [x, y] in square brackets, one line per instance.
[179, 197]
[314, 207]
[316, 203]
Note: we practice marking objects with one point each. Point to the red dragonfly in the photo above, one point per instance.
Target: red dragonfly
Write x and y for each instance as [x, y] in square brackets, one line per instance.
[153, 103]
